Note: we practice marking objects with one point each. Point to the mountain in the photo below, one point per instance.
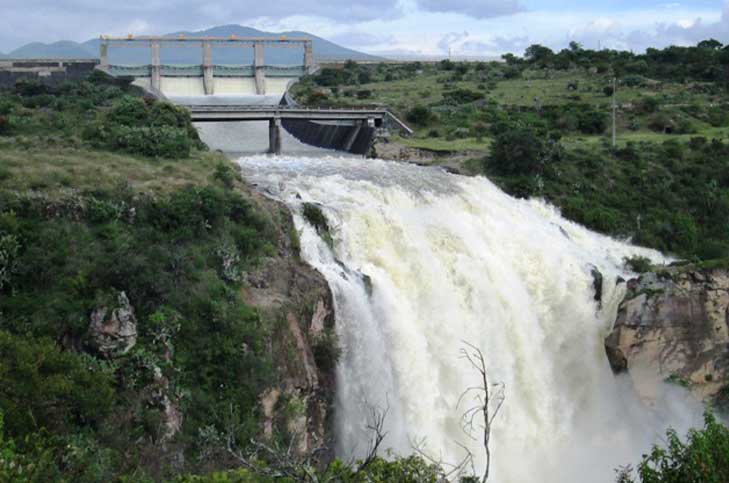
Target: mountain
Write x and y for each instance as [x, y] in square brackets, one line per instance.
[64, 49]
[323, 49]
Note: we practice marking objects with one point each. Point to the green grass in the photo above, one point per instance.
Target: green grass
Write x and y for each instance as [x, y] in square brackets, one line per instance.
[40, 166]
[444, 145]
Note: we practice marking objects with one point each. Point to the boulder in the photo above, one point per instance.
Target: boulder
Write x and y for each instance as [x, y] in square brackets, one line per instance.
[673, 326]
[113, 330]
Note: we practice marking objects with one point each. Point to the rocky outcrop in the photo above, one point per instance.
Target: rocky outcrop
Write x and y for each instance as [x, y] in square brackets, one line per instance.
[113, 330]
[297, 300]
[674, 326]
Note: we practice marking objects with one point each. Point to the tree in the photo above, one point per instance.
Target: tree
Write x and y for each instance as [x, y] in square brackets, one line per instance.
[538, 54]
[702, 458]
[711, 44]
[517, 151]
[419, 115]
[575, 46]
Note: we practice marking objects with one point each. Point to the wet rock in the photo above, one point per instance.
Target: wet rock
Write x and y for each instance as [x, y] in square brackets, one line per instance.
[597, 281]
[673, 326]
[113, 331]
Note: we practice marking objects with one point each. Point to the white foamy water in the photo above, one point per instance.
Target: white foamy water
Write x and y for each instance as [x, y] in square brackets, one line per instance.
[454, 259]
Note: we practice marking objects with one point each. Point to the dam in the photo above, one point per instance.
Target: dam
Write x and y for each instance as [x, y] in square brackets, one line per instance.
[253, 93]
[208, 78]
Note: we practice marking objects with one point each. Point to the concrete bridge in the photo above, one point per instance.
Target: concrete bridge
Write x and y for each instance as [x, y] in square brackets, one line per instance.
[223, 79]
[344, 129]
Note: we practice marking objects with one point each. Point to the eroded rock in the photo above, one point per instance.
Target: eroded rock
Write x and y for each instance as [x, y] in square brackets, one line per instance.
[673, 326]
[113, 331]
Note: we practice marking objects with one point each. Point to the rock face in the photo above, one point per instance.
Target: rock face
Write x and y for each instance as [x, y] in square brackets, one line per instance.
[297, 299]
[674, 325]
[113, 331]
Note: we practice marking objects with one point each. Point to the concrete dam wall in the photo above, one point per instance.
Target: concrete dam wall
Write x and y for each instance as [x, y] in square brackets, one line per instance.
[174, 87]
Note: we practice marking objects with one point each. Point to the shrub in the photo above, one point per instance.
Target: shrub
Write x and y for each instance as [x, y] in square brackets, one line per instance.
[419, 115]
[326, 350]
[648, 105]
[608, 91]
[364, 94]
[225, 174]
[162, 141]
[44, 387]
[639, 264]
[517, 151]
[462, 96]
[129, 111]
[4, 125]
[591, 122]
[702, 458]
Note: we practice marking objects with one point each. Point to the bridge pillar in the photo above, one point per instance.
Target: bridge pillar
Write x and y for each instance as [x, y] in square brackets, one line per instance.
[274, 135]
[352, 135]
[308, 57]
[104, 55]
[208, 75]
[156, 73]
[260, 68]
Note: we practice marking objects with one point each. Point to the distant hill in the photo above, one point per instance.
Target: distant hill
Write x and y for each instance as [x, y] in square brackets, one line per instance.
[64, 49]
[323, 49]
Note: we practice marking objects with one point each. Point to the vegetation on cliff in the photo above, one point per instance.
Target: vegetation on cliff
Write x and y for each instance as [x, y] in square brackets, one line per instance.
[94, 208]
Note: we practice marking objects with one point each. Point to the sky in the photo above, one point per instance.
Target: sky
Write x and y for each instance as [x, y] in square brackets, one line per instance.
[385, 27]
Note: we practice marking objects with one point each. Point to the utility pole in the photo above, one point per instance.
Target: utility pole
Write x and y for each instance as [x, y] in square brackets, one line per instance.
[615, 113]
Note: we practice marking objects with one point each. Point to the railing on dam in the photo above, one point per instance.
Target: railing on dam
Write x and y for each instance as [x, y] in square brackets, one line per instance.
[198, 70]
[207, 70]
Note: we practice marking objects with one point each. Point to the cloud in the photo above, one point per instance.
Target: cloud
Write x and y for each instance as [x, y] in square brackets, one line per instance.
[50, 20]
[358, 38]
[473, 8]
[451, 39]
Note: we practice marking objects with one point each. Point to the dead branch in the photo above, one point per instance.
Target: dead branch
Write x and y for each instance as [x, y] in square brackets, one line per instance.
[487, 402]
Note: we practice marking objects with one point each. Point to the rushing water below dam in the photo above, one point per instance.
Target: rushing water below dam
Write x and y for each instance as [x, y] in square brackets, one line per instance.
[423, 261]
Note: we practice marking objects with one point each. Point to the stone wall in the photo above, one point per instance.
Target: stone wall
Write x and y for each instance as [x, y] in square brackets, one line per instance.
[48, 71]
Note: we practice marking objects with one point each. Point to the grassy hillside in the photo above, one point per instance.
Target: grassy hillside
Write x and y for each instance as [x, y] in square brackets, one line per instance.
[541, 126]
[88, 211]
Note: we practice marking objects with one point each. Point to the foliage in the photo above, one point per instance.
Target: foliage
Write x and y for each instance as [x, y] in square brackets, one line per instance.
[419, 115]
[326, 350]
[702, 458]
[165, 253]
[639, 264]
[104, 112]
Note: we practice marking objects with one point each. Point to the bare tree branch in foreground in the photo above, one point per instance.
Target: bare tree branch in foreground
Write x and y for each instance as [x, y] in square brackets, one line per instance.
[487, 401]
[285, 463]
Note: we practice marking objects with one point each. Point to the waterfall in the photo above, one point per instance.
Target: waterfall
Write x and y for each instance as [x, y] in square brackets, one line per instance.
[422, 261]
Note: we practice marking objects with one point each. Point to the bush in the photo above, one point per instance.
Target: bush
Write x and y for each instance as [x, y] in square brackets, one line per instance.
[462, 96]
[648, 105]
[4, 125]
[326, 350]
[518, 151]
[702, 458]
[158, 142]
[639, 264]
[419, 115]
[45, 388]
[591, 122]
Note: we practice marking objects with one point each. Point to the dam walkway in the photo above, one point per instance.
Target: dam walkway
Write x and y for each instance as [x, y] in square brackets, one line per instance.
[349, 126]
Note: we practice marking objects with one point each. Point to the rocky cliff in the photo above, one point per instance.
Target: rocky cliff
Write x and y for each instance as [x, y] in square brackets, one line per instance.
[673, 326]
[297, 302]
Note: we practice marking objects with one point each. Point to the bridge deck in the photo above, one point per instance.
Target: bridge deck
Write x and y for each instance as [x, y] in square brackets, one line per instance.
[201, 113]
